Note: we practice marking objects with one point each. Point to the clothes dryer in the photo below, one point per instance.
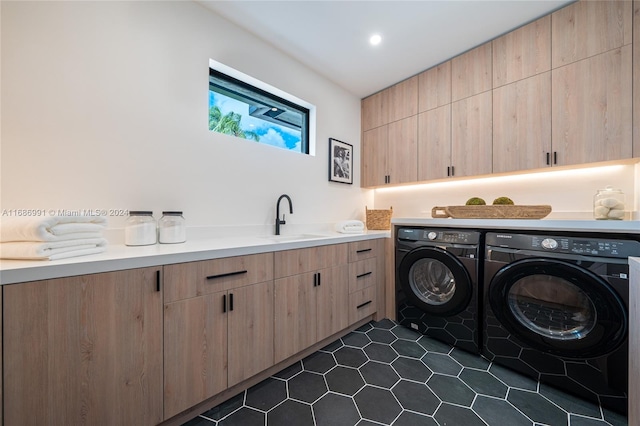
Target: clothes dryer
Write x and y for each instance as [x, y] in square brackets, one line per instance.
[556, 309]
[437, 283]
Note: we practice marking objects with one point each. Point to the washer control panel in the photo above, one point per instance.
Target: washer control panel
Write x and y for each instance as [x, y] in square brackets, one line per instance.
[586, 246]
[451, 236]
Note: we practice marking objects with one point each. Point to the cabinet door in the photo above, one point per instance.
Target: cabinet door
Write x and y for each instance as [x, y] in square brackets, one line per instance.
[332, 301]
[434, 87]
[471, 136]
[587, 28]
[295, 315]
[299, 261]
[522, 124]
[434, 143]
[84, 350]
[374, 110]
[374, 156]
[591, 104]
[403, 99]
[522, 53]
[471, 72]
[250, 333]
[195, 351]
[402, 151]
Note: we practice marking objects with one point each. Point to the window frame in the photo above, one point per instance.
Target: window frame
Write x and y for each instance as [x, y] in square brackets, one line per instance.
[248, 82]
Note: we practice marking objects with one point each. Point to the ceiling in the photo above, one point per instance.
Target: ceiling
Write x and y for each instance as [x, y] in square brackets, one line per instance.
[331, 36]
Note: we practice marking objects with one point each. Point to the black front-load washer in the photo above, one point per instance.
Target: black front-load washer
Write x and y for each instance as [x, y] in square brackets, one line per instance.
[556, 309]
[437, 284]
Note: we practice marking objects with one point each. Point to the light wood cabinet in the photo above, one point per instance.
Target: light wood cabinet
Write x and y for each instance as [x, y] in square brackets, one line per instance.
[471, 72]
[471, 136]
[522, 124]
[84, 350]
[591, 104]
[311, 297]
[522, 53]
[434, 143]
[375, 111]
[223, 333]
[366, 279]
[389, 153]
[588, 28]
[403, 99]
[434, 87]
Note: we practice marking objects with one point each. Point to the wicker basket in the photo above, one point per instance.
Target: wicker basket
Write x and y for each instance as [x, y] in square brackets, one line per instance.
[379, 219]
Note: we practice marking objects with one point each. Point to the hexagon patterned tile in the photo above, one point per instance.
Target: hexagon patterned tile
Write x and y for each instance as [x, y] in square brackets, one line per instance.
[386, 374]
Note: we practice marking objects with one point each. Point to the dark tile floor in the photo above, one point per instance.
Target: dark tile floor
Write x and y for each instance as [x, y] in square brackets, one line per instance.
[386, 374]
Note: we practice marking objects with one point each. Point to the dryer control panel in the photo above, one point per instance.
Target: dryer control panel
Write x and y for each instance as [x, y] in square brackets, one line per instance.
[451, 236]
[585, 246]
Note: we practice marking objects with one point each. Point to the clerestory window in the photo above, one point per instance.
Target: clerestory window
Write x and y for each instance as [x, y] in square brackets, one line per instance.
[247, 108]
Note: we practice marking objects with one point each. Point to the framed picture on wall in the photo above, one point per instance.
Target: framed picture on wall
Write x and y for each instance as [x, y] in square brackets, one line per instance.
[340, 161]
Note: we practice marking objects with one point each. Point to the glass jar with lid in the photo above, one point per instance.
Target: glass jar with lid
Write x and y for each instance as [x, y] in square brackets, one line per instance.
[172, 228]
[608, 204]
[140, 228]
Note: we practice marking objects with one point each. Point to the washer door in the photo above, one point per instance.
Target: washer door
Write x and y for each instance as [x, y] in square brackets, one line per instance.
[558, 307]
[435, 281]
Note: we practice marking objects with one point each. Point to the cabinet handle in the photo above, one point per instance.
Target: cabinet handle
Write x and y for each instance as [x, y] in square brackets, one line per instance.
[315, 279]
[228, 274]
[555, 157]
[363, 250]
[448, 171]
[224, 303]
[362, 305]
[318, 279]
[548, 159]
[453, 173]
[364, 275]
[230, 301]
[158, 280]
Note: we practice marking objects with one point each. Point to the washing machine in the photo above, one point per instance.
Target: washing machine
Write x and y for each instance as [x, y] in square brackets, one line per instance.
[556, 309]
[437, 292]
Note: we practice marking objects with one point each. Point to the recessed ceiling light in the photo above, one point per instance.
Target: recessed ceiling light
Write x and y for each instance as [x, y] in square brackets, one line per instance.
[375, 39]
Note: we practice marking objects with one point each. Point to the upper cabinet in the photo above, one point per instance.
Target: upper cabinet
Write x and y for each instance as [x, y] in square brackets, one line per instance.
[471, 73]
[587, 28]
[375, 112]
[636, 78]
[403, 99]
[522, 53]
[591, 104]
[434, 87]
[471, 130]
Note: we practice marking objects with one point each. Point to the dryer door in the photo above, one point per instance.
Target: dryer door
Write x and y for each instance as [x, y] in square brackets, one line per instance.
[435, 281]
[558, 307]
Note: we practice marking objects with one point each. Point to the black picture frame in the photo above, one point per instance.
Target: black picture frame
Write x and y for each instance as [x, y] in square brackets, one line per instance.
[340, 161]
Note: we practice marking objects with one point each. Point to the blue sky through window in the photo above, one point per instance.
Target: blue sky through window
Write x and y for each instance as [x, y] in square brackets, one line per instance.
[269, 133]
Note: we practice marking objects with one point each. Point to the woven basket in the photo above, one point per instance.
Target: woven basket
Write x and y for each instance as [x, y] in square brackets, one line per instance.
[379, 219]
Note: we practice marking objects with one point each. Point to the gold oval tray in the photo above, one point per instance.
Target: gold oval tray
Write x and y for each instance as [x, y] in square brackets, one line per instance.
[492, 212]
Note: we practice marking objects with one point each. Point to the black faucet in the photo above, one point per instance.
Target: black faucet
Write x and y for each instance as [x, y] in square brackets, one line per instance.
[278, 221]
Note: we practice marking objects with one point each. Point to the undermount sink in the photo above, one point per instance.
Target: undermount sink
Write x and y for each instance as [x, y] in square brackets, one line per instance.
[297, 237]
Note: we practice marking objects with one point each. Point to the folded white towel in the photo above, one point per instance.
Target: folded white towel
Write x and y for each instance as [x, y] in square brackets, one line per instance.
[350, 227]
[33, 250]
[53, 228]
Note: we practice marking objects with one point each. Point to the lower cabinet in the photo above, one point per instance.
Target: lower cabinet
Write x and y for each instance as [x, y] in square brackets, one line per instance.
[366, 278]
[309, 307]
[84, 350]
[216, 340]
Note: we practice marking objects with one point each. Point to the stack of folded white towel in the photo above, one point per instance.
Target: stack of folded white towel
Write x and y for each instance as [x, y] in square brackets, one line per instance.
[51, 238]
[350, 227]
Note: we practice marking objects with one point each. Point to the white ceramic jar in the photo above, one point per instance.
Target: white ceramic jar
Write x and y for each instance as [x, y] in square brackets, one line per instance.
[172, 228]
[140, 229]
[608, 204]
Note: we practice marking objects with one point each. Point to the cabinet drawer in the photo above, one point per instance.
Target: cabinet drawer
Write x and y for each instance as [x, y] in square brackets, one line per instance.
[185, 280]
[360, 250]
[362, 274]
[301, 261]
[362, 303]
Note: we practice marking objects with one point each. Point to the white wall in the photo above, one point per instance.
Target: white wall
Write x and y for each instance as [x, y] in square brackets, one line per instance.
[570, 193]
[105, 105]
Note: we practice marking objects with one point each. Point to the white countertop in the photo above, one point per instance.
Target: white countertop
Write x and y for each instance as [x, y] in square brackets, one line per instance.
[119, 257]
[601, 226]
